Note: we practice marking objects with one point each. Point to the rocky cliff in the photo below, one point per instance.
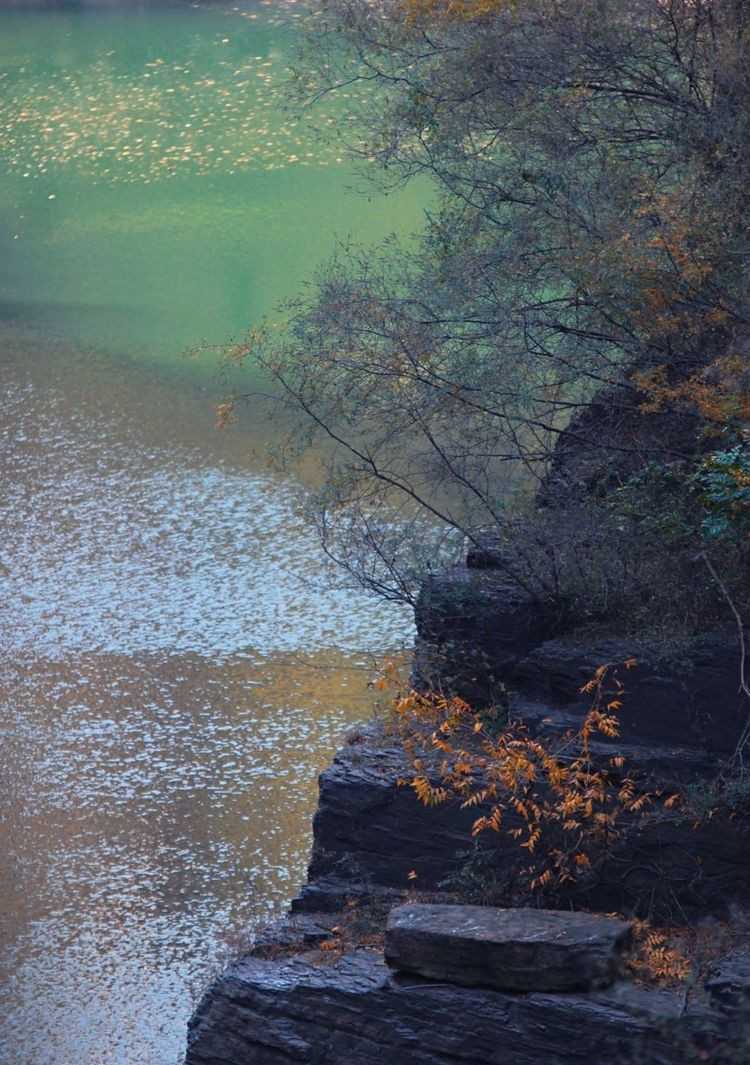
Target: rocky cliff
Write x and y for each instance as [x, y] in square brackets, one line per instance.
[317, 988]
[294, 1000]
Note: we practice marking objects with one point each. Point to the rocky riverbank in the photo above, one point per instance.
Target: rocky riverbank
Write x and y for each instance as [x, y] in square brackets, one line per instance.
[356, 1011]
[317, 988]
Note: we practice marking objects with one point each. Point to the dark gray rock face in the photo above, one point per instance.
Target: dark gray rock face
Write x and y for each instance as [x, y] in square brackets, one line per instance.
[689, 698]
[483, 638]
[369, 833]
[675, 868]
[356, 1012]
[728, 984]
[474, 625]
[611, 438]
[294, 933]
[487, 552]
[672, 764]
[511, 950]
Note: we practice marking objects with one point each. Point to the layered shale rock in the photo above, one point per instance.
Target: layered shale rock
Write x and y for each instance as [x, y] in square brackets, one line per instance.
[687, 694]
[511, 950]
[474, 625]
[370, 832]
[356, 1011]
[729, 982]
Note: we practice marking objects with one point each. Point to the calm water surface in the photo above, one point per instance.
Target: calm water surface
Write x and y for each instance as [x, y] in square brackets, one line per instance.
[174, 667]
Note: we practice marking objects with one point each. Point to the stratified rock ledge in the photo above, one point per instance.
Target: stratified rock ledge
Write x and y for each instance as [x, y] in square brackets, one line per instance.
[355, 1011]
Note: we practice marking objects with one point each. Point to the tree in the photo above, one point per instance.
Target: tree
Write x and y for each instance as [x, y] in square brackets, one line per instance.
[592, 161]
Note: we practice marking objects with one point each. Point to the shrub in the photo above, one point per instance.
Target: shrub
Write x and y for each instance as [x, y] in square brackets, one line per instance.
[565, 807]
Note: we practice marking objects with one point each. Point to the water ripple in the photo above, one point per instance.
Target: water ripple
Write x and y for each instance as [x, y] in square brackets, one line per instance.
[175, 673]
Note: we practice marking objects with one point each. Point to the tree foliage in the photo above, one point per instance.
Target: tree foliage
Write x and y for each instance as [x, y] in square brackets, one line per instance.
[592, 167]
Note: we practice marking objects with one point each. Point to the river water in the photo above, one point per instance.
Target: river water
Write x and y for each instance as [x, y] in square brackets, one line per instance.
[175, 665]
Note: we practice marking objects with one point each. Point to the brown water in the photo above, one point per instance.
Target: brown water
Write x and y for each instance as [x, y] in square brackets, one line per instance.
[175, 671]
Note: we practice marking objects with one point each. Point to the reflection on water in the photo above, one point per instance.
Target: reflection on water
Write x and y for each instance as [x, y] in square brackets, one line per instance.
[209, 98]
[174, 670]
[170, 686]
[153, 804]
[169, 549]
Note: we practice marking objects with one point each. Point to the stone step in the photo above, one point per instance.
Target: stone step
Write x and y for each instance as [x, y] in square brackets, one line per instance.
[510, 950]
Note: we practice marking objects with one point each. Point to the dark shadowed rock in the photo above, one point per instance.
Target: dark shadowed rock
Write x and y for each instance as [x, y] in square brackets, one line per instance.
[687, 695]
[671, 764]
[473, 626]
[356, 1012]
[488, 551]
[293, 933]
[511, 950]
[609, 440]
[675, 868]
[329, 894]
[369, 834]
[728, 984]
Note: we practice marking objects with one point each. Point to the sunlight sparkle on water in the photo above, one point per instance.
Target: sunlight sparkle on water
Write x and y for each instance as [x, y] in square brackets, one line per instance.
[219, 112]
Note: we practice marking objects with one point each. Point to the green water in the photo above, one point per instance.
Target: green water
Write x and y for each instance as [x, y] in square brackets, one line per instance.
[157, 190]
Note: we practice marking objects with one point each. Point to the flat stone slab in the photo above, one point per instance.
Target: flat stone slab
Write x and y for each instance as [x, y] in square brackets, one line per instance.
[511, 950]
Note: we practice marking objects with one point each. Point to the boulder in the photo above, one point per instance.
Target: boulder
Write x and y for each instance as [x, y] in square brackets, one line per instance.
[511, 950]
